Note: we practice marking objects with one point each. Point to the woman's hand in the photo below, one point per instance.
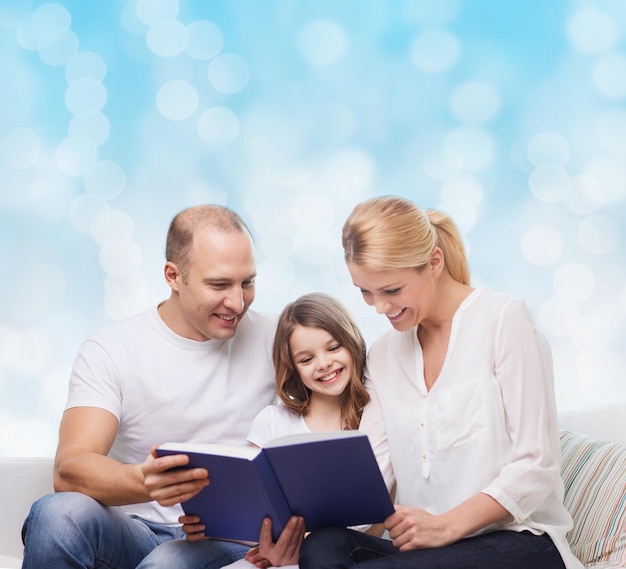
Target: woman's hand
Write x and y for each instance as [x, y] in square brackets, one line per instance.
[192, 527]
[414, 528]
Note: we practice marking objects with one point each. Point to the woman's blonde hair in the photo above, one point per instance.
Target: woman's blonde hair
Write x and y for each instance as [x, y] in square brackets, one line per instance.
[391, 233]
[318, 310]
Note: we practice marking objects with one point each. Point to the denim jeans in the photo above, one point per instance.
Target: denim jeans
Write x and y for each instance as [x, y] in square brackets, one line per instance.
[339, 547]
[68, 530]
[204, 554]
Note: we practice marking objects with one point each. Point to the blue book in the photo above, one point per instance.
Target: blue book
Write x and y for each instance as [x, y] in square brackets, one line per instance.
[330, 479]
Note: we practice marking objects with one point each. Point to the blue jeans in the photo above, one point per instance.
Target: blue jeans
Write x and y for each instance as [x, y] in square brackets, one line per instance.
[334, 548]
[204, 554]
[68, 530]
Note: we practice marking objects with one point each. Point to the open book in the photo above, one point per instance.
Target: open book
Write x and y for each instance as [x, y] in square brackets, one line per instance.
[330, 479]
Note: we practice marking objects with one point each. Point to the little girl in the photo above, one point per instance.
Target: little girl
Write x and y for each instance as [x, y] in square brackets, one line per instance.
[319, 357]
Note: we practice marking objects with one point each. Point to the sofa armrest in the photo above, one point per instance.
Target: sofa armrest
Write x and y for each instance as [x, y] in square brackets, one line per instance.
[22, 481]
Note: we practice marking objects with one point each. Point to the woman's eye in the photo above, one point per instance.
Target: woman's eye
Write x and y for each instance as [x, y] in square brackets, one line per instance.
[392, 291]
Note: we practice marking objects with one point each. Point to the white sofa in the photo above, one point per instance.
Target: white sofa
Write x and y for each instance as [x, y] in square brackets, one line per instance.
[593, 445]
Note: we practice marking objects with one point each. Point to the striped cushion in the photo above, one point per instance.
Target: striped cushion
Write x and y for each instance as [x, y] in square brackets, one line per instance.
[594, 475]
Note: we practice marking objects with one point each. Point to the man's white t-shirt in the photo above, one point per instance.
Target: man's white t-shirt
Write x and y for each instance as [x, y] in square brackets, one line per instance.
[165, 388]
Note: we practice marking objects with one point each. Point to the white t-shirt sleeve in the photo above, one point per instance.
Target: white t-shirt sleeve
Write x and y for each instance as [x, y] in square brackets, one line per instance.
[263, 427]
[94, 381]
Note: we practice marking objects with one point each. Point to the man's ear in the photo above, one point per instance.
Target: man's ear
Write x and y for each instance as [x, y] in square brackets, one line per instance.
[172, 275]
[437, 263]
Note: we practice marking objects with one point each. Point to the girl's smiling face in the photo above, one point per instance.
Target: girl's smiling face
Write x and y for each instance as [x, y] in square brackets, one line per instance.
[323, 364]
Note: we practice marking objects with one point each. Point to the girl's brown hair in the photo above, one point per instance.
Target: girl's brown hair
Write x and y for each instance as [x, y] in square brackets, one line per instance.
[318, 310]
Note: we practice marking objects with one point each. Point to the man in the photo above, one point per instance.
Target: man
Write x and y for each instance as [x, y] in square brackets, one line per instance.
[195, 368]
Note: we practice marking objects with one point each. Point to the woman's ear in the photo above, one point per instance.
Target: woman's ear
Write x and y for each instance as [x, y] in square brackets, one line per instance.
[437, 263]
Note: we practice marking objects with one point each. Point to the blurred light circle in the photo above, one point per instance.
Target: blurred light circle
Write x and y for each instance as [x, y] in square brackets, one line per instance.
[597, 328]
[599, 234]
[548, 149]
[13, 11]
[549, 184]
[94, 127]
[20, 148]
[84, 210]
[130, 19]
[177, 100]
[229, 73]
[51, 195]
[120, 256]
[461, 211]
[585, 195]
[519, 156]
[611, 174]
[442, 165]
[85, 96]
[429, 13]
[74, 156]
[608, 76]
[313, 210]
[278, 277]
[43, 26]
[205, 39]
[85, 64]
[592, 31]
[218, 126]
[559, 317]
[112, 226]
[475, 102]
[574, 282]
[350, 172]
[466, 187]
[611, 130]
[150, 11]
[321, 42]
[313, 245]
[167, 38]
[542, 245]
[127, 296]
[475, 147]
[60, 51]
[105, 179]
[435, 50]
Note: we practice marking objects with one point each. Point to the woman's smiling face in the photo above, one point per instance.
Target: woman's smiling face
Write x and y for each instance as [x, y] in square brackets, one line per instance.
[404, 296]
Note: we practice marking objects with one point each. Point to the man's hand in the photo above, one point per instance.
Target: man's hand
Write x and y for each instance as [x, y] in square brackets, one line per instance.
[285, 551]
[169, 487]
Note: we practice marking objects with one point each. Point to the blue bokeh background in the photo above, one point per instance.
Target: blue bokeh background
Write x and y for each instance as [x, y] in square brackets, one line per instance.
[116, 115]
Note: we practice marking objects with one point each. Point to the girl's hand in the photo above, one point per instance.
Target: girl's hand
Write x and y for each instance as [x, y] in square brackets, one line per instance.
[414, 528]
[192, 527]
[253, 556]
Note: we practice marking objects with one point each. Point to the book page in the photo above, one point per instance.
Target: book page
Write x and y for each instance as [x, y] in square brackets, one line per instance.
[312, 437]
[247, 452]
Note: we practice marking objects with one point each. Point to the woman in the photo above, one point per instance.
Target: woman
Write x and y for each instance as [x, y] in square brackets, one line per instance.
[466, 389]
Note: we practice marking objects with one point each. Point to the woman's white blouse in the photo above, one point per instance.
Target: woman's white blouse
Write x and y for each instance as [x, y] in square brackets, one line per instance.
[489, 423]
